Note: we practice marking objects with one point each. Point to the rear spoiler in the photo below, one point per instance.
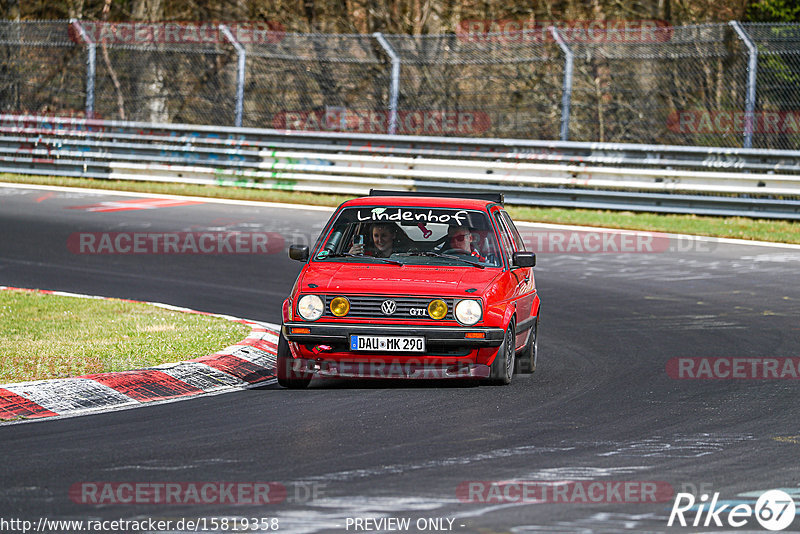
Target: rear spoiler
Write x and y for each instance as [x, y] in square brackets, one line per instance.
[491, 197]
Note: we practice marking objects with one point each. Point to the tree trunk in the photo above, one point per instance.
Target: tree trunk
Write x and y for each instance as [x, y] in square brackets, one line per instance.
[151, 88]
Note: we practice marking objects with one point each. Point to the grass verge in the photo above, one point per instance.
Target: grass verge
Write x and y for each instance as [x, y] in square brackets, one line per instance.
[51, 336]
[730, 227]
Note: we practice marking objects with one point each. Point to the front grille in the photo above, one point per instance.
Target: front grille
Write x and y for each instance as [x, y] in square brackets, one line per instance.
[369, 307]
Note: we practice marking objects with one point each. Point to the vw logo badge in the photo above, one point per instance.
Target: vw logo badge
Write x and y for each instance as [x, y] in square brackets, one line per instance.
[388, 307]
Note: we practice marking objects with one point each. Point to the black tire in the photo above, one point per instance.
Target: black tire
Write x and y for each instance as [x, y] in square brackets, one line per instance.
[502, 368]
[288, 377]
[526, 361]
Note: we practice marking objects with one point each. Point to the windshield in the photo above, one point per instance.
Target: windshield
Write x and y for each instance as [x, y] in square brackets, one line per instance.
[407, 235]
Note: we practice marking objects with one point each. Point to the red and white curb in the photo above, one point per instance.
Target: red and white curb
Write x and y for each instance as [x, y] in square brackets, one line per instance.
[251, 362]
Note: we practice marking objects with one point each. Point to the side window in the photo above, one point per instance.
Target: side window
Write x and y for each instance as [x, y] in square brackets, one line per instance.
[514, 233]
[505, 239]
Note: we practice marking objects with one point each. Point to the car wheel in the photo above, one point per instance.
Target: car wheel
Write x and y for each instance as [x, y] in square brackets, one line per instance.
[503, 365]
[526, 362]
[288, 377]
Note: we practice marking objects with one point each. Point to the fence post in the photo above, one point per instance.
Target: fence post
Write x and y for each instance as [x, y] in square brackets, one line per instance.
[395, 87]
[752, 68]
[90, 66]
[241, 54]
[566, 92]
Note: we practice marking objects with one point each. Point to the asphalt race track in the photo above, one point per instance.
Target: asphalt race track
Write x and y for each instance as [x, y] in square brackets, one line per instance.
[602, 407]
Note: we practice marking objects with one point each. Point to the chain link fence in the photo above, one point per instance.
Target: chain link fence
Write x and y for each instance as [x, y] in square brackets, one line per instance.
[41, 69]
[777, 106]
[485, 85]
[314, 81]
[691, 85]
[659, 90]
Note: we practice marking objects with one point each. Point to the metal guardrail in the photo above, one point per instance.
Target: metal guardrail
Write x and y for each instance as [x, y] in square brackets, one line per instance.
[670, 179]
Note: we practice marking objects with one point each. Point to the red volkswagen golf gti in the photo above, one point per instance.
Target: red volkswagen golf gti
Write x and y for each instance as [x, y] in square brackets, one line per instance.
[412, 285]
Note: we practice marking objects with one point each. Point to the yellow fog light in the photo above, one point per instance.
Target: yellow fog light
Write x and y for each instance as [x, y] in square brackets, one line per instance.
[340, 306]
[437, 309]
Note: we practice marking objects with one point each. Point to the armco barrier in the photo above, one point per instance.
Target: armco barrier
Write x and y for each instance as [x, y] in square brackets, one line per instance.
[753, 183]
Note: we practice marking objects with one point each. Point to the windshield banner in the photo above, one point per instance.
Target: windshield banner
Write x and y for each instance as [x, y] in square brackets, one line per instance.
[414, 216]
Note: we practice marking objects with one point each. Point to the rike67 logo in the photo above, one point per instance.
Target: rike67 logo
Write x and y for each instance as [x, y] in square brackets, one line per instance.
[774, 510]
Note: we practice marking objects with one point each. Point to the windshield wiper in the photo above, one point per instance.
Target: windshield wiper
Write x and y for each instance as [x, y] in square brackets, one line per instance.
[387, 260]
[362, 256]
[341, 254]
[434, 254]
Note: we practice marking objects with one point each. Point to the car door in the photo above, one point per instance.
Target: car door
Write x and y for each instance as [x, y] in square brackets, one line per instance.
[523, 276]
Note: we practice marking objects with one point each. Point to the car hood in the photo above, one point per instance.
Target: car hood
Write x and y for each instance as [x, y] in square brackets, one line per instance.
[385, 279]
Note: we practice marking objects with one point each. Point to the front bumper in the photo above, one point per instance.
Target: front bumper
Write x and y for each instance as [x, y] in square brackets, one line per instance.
[435, 336]
[388, 369]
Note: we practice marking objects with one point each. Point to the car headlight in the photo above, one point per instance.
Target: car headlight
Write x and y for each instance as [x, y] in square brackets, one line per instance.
[310, 307]
[340, 306]
[468, 312]
[437, 309]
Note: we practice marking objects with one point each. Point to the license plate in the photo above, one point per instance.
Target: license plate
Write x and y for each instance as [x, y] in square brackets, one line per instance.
[388, 343]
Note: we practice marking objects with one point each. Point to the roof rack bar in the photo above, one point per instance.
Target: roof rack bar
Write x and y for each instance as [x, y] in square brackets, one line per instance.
[491, 197]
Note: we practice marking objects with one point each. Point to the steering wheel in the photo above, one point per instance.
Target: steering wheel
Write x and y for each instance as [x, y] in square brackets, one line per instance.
[456, 251]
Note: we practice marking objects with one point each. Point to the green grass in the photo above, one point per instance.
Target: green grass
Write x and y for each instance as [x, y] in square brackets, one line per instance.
[731, 227]
[49, 336]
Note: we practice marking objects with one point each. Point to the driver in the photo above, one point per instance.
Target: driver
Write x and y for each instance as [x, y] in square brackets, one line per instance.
[460, 238]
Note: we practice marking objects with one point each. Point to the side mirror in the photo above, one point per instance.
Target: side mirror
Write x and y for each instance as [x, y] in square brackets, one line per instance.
[298, 252]
[524, 259]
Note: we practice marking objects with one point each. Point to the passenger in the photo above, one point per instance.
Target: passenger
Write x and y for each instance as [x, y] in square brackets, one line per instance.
[384, 235]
